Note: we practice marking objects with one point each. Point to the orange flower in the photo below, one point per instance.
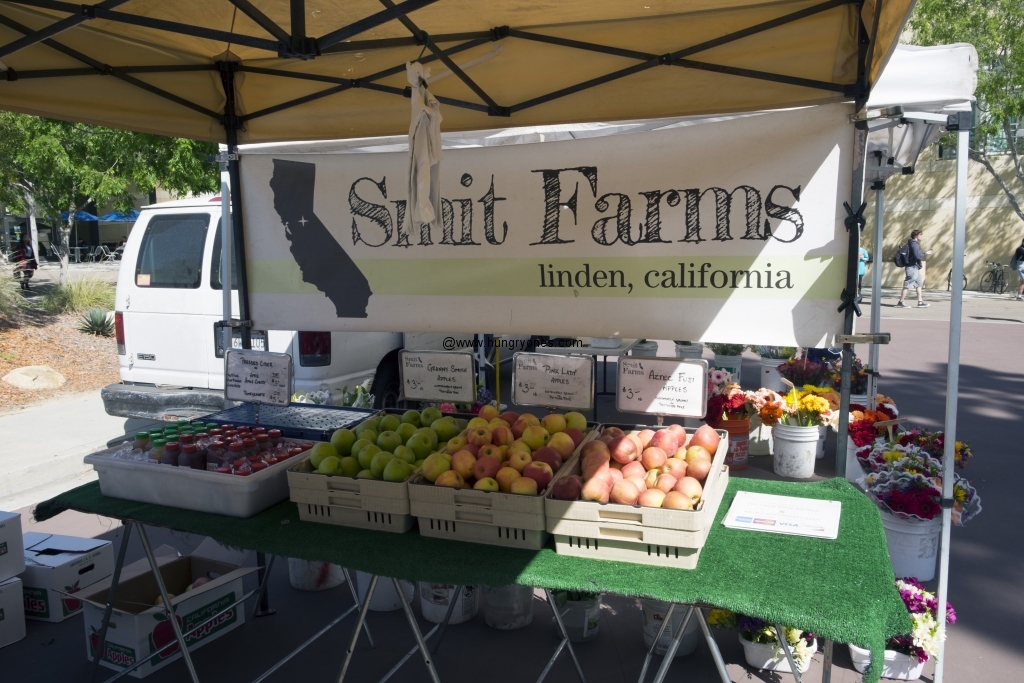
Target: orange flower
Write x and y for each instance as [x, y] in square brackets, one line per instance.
[771, 413]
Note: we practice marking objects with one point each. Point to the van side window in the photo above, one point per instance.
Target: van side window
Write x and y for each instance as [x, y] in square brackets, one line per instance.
[215, 264]
[171, 254]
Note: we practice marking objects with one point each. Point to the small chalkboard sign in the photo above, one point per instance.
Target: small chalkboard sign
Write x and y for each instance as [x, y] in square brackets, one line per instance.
[540, 379]
[438, 376]
[662, 386]
[258, 377]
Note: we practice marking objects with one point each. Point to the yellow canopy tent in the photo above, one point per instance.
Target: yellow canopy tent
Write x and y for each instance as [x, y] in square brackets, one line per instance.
[329, 69]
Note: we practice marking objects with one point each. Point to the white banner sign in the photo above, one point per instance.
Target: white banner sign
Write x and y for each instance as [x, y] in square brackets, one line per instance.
[727, 231]
[438, 376]
[258, 377]
[540, 379]
[662, 386]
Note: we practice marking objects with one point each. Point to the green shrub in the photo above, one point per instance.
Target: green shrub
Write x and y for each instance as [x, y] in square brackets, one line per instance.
[78, 296]
[97, 321]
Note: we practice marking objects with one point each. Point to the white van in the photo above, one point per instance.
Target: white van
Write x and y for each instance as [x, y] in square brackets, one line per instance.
[168, 299]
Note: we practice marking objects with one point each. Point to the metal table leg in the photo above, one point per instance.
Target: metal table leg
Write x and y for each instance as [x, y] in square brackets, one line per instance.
[359, 626]
[167, 605]
[826, 665]
[564, 644]
[437, 643]
[302, 647]
[670, 653]
[716, 654]
[447, 618]
[657, 639]
[111, 597]
[355, 599]
[416, 632]
[263, 604]
[780, 634]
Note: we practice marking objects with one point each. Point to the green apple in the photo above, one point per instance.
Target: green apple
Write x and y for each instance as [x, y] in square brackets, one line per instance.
[430, 434]
[342, 441]
[368, 434]
[405, 454]
[359, 445]
[320, 451]
[364, 474]
[389, 441]
[411, 417]
[445, 427]
[329, 465]
[434, 466]
[420, 445]
[419, 463]
[406, 430]
[369, 423]
[428, 415]
[350, 466]
[389, 423]
[365, 456]
[576, 421]
[379, 462]
[397, 470]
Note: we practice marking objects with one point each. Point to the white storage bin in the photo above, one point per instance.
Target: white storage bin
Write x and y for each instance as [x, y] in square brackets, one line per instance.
[385, 597]
[436, 597]
[306, 575]
[508, 608]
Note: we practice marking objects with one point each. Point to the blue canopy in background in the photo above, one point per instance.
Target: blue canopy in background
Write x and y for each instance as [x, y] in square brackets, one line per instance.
[118, 217]
[80, 216]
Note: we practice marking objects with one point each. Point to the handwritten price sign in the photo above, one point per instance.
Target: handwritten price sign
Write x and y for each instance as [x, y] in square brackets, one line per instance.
[448, 376]
[552, 381]
[662, 386]
[258, 377]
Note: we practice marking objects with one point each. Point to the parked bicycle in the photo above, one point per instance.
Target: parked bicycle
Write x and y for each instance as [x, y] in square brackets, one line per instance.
[949, 279]
[994, 280]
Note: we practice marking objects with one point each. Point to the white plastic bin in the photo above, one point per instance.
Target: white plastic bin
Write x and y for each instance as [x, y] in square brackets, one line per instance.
[305, 575]
[770, 377]
[435, 598]
[654, 613]
[913, 545]
[896, 665]
[692, 351]
[385, 598]
[793, 450]
[734, 364]
[645, 348]
[581, 618]
[763, 656]
[508, 607]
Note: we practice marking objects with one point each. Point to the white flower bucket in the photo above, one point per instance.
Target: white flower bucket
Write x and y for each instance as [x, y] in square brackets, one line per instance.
[508, 608]
[581, 619]
[314, 576]
[435, 598]
[913, 545]
[605, 342]
[647, 348]
[734, 364]
[760, 442]
[695, 351]
[859, 399]
[770, 377]
[794, 450]
[819, 449]
[385, 598]
[654, 615]
[762, 656]
[853, 469]
[897, 665]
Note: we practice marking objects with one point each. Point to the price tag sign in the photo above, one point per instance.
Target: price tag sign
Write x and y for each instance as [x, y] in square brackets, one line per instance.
[662, 386]
[438, 376]
[540, 379]
[258, 377]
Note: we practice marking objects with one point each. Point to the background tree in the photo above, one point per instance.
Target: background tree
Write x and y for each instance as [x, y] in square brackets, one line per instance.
[48, 167]
[996, 29]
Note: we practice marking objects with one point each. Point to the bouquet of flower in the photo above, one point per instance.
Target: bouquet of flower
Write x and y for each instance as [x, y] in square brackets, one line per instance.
[759, 631]
[729, 402]
[726, 349]
[934, 444]
[777, 352]
[923, 641]
[808, 407]
[801, 371]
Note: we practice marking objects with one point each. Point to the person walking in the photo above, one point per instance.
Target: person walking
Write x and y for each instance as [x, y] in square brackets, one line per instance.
[913, 256]
[1017, 263]
[24, 258]
[863, 259]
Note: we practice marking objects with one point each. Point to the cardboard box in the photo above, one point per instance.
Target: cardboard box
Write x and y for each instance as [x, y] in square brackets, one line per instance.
[12, 612]
[58, 566]
[12, 557]
[139, 629]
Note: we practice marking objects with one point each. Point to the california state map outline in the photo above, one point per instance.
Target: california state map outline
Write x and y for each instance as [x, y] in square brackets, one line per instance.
[323, 261]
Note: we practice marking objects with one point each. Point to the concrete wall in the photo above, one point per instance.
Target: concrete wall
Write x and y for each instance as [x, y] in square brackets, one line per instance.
[924, 201]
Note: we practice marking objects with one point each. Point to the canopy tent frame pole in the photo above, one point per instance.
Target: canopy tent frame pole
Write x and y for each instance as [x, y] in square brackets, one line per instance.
[952, 377]
[876, 291]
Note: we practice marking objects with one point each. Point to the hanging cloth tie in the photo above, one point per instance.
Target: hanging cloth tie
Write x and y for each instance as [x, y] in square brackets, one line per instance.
[424, 151]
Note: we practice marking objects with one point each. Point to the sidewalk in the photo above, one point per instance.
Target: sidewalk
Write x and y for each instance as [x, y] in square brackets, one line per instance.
[977, 306]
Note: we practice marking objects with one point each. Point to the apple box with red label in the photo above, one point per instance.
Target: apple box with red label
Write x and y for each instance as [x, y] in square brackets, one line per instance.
[12, 613]
[12, 557]
[57, 568]
[204, 587]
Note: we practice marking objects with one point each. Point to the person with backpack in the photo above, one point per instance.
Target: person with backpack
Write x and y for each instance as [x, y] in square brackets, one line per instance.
[911, 256]
[1017, 263]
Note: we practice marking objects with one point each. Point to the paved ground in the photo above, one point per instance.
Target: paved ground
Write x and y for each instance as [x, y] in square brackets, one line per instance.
[986, 564]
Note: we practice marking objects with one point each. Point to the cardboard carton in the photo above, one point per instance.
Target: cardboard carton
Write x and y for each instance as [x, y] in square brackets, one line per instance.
[12, 612]
[57, 567]
[12, 557]
[139, 628]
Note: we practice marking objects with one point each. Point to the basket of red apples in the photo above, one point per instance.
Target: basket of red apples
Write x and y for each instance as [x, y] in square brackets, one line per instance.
[641, 494]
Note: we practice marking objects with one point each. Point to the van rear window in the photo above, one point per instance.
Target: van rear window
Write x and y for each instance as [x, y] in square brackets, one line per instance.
[171, 254]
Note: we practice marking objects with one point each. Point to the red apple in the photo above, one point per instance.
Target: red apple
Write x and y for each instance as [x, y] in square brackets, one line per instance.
[697, 453]
[624, 449]
[624, 492]
[463, 462]
[653, 457]
[492, 451]
[592, 446]
[634, 469]
[597, 490]
[707, 437]
[562, 443]
[616, 475]
[699, 470]
[485, 467]
[679, 430]
[665, 482]
[479, 436]
[472, 448]
[576, 435]
[675, 467]
[567, 488]
[639, 481]
[651, 498]
[502, 436]
[636, 442]
[645, 436]
[540, 472]
[509, 417]
[677, 501]
[549, 455]
[691, 488]
[505, 477]
[666, 440]
[520, 426]
[613, 432]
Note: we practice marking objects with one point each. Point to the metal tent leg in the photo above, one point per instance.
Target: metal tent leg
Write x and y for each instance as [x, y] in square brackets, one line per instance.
[447, 618]
[826, 665]
[427, 661]
[359, 626]
[716, 654]
[263, 603]
[408, 655]
[564, 644]
[657, 639]
[111, 597]
[355, 599]
[670, 653]
[266, 674]
[167, 605]
[780, 634]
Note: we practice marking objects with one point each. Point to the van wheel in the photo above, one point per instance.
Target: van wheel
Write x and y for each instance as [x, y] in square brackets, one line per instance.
[387, 383]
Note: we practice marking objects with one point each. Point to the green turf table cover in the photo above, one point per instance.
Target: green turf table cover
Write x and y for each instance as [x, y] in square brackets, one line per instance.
[842, 589]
